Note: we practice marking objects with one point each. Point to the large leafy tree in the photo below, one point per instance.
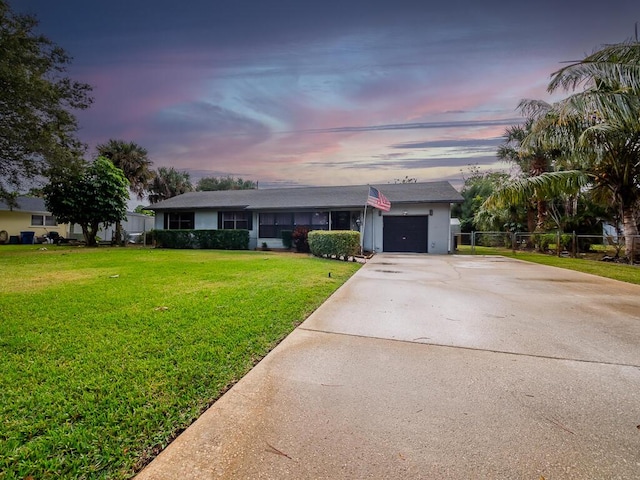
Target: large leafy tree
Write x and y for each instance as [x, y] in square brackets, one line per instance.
[206, 184]
[38, 129]
[598, 127]
[168, 183]
[96, 195]
[478, 186]
[133, 160]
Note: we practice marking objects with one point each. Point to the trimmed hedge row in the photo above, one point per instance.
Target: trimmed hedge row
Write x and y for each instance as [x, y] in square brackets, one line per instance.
[334, 243]
[215, 239]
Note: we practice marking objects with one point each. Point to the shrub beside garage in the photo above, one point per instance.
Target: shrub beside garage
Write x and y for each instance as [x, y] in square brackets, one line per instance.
[334, 243]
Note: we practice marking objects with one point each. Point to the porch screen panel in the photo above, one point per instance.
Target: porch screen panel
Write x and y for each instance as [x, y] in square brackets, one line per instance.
[272, 224]
[320, 219]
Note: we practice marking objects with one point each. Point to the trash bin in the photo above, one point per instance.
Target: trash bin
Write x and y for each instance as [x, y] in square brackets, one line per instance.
[14, 239]
[26, 238]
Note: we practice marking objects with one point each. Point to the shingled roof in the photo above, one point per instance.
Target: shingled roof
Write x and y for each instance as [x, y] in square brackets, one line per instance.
[353, 196]
[25, 204]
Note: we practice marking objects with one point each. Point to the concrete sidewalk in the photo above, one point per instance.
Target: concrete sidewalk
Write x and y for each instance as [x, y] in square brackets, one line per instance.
[443, 367]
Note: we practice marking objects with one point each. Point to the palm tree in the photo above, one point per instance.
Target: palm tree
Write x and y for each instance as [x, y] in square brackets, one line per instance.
[132, 159]
[167, 183]
[599, 128]
[533, 161]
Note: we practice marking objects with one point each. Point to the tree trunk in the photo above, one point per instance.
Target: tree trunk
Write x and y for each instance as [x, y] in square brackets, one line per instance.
[538, 167]
[630, 229]
[118, 240]
[541, 214]
[90, 232]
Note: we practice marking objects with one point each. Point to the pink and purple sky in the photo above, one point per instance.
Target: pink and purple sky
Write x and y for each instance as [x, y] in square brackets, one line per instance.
[294, 92]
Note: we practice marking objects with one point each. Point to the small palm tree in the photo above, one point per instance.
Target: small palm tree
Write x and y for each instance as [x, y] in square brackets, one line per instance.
[532, 162]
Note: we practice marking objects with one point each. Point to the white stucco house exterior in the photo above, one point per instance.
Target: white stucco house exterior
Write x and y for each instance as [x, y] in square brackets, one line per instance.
[418, 221]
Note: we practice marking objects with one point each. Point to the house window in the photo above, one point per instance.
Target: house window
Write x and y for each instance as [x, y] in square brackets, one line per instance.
[179, 220]
[43, 221]
[235, 220]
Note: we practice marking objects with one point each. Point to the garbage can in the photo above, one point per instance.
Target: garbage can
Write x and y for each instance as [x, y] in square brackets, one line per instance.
[26, 238]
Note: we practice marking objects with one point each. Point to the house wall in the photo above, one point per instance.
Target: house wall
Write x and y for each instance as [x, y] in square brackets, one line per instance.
[439, 238]
[15, 222]
[208, 220]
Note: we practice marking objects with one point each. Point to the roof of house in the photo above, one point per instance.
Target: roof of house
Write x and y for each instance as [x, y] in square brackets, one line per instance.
[311, 197]
[25, 204]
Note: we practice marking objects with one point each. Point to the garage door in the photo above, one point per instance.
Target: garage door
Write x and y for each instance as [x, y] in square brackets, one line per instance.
[405, 234]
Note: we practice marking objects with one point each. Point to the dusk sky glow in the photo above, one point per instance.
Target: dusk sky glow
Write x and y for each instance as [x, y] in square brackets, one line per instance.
[320, 93]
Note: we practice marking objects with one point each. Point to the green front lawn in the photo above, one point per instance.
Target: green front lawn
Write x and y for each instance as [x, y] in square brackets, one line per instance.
[107, 354]
[616, 271]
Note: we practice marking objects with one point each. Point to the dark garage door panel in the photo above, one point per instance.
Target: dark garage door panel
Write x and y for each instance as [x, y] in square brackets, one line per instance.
[405, 234]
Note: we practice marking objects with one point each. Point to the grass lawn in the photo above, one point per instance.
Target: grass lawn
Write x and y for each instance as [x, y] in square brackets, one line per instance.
[616, 271]
[107, 354]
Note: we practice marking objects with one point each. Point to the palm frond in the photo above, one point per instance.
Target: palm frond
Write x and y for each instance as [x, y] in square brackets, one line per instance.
[615, 65]
[545, 186]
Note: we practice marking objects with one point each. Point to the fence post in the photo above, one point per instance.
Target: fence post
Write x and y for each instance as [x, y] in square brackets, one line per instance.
[574, 244]
[558, 243]
[473, 243]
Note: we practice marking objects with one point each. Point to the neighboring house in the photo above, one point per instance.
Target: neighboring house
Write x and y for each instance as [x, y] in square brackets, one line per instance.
[30, 215]
[419, 219]
[134, 226]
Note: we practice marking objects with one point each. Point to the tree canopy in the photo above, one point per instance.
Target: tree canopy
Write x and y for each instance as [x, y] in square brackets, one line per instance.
[168, 183]
[478, 186]
[36, 104]
[207, 184]
[597, 129]
[133, 160]
[96, 195]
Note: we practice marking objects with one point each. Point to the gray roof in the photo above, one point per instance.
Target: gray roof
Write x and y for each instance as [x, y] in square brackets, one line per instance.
[353, 196]
[26, 204]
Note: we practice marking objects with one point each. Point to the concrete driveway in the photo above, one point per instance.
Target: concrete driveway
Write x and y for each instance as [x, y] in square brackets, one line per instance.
[437, 367]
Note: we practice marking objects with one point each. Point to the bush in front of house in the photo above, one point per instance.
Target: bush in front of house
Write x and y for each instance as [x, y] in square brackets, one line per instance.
[299, 237]
[287, 238]
[209, 239]
[335, 243]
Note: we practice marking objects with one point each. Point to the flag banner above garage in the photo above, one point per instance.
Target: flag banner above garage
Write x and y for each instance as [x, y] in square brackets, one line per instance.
[378, 200]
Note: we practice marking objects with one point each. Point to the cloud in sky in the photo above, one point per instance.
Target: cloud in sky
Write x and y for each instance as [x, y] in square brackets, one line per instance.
[332, 92]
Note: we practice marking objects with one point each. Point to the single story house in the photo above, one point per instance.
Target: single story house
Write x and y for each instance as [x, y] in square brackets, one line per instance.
[30, 215]
[418, 220]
